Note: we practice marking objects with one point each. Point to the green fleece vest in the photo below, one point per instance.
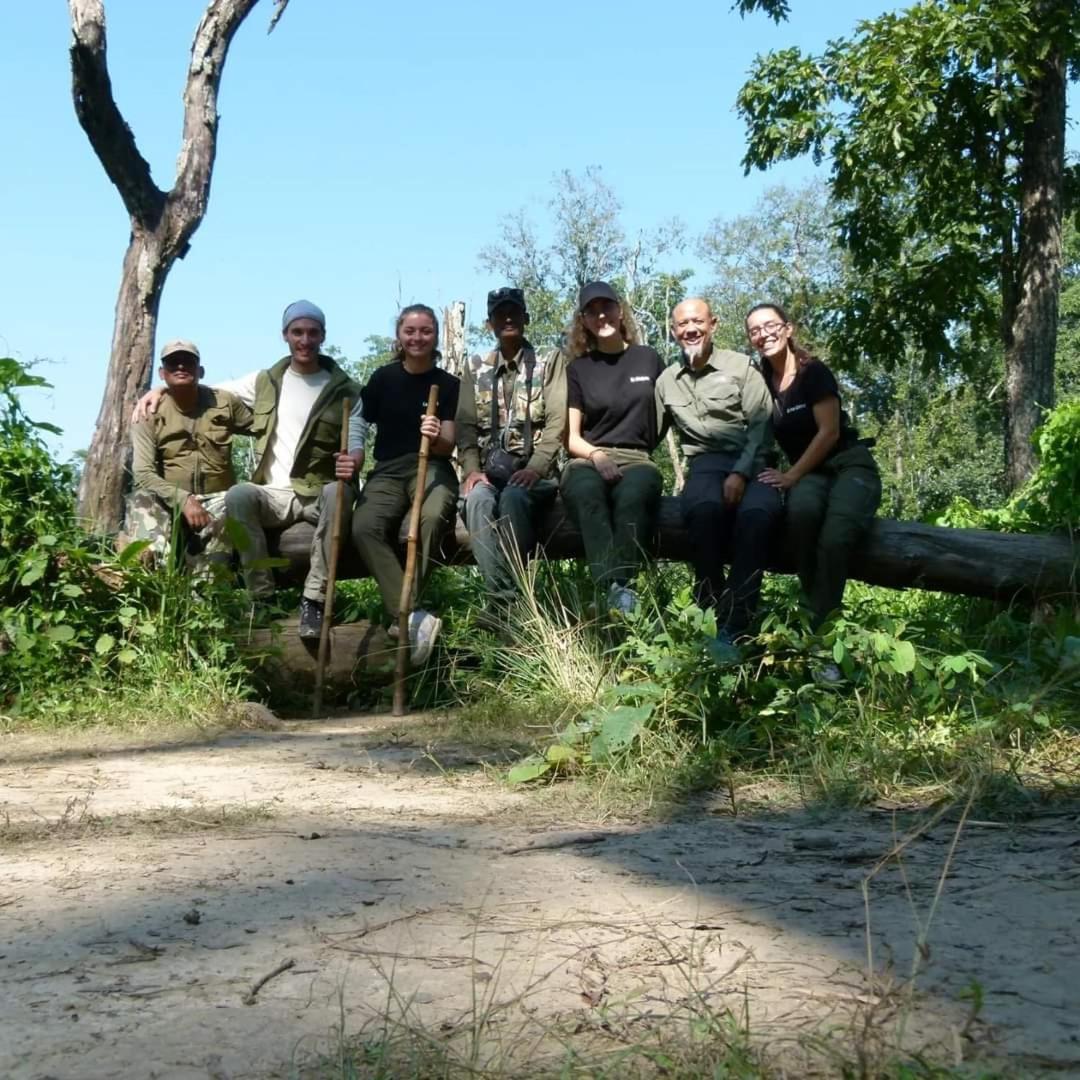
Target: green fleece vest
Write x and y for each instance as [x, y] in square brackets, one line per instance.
[313, 465]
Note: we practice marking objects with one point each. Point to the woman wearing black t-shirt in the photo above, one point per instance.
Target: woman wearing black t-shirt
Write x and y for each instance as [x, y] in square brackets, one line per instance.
[832, 482]
[395, 400]
[611, 488]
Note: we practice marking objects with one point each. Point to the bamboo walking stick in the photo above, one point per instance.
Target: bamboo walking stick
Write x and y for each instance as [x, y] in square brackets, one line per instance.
[331, 572]
[405, 606]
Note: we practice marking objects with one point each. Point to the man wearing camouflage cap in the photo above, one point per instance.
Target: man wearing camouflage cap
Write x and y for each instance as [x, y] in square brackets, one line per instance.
[182, 460]
[510, 421]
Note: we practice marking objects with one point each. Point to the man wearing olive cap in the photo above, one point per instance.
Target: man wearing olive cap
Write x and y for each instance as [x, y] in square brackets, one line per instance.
[182, 460]
[510, 420]
[297, 429]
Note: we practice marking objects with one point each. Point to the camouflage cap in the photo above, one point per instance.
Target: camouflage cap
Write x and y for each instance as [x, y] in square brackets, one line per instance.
[505, 295]
[179, 346]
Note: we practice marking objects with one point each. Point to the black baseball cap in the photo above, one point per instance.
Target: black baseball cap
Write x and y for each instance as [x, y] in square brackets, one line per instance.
[505, 295]
[595, 290]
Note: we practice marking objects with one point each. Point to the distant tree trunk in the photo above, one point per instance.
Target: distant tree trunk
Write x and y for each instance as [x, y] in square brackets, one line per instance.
[1032, 338]
[453, 342]
[162, 224]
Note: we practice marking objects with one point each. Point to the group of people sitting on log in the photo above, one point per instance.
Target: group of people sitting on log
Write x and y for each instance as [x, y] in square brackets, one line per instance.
[526, 425]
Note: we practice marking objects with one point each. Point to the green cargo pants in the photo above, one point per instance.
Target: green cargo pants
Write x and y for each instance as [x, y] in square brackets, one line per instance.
[384, 503]
[828, 512]
[617, 522]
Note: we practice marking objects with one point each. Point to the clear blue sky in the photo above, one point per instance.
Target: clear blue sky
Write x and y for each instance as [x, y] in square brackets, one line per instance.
[366, 154]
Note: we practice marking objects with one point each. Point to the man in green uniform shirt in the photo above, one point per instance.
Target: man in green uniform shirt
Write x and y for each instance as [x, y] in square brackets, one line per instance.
[721, 410]
[182, 459]
[510, 421]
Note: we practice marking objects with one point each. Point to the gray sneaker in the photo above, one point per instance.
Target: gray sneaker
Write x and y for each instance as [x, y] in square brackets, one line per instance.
[828, 675]
[622, 600]
[423, 631]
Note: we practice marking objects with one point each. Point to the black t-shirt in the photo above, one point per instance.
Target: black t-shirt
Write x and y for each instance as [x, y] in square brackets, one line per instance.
[395, 401]
[614, 392]
[793, 409]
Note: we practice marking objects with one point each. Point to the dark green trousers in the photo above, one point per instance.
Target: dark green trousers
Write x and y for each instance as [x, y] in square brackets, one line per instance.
[828, 513]
[617, 522]
[384, 503]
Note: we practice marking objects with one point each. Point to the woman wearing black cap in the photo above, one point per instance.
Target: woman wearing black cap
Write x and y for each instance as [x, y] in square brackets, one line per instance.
[611, 488]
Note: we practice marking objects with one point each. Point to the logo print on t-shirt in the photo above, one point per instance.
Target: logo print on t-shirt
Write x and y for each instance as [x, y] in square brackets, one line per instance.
[640, 378]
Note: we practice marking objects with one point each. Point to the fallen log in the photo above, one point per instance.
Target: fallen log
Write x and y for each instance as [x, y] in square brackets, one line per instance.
[896, 554]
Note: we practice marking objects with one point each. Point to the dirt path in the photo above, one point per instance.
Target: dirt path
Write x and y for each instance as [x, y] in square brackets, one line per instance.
[145, 891]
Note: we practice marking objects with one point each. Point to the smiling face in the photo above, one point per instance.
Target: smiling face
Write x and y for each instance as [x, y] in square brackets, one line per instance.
[603, 319]
[180, 369]
[693, 325]
[304, 336]
[768, 332]
[416, 336]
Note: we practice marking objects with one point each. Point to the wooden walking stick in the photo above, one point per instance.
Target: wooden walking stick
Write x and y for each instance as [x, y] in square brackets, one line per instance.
[331, 572]
[405, 606]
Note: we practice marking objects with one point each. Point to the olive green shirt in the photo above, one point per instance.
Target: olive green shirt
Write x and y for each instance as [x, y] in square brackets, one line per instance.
[723, 407]
[545, 403]
[176, 454]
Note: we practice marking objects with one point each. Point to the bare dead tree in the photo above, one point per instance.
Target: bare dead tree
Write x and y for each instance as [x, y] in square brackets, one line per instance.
[162, 222]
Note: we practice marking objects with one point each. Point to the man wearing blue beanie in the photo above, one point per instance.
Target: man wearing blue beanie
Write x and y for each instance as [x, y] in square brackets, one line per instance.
[297, 431]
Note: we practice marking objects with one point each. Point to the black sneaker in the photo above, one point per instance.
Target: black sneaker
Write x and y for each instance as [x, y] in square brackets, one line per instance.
[311, 618]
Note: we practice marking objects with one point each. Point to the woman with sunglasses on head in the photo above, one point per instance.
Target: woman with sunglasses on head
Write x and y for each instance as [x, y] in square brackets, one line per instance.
[832, 482]
[395, 401]
[611, 488]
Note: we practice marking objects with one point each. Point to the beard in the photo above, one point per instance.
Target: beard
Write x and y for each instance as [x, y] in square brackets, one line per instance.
[693, 353]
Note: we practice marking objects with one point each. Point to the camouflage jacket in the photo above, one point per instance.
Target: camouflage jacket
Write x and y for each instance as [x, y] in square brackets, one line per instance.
[546, 405]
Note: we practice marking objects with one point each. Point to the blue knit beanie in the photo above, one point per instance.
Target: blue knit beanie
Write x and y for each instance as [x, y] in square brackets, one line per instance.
[302, 309]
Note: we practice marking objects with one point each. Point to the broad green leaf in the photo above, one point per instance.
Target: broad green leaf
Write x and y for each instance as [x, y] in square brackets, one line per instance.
[104, 644]
[557, 753]
[35, 573]
[71, 591]
[529, 769]
[61, 633]
[48, 540]
[903, 658]
[623, 725]
[132, 552]
[127, 656]
[838, 651]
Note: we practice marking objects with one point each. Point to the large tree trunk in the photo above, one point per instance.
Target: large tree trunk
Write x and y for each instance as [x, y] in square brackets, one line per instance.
[453, 342]
[101, 491]
[162, 224]
[897, 554]
[1030, 346]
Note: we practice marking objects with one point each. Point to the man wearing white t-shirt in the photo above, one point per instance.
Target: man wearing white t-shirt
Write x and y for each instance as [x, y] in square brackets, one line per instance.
[297, 431]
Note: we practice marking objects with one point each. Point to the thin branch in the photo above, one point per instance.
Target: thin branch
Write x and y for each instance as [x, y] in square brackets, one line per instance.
[279, 10]
[105, 127]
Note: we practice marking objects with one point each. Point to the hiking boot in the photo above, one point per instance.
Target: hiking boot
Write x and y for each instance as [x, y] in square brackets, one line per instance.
[423, 630]
[311, 618]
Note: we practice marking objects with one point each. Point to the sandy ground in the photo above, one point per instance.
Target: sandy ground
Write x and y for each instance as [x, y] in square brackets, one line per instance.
[145, 890]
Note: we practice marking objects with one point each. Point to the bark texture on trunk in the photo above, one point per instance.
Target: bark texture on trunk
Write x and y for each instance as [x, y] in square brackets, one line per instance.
[162, 223]
[1032, 340]
[453, 337]
[897, 554]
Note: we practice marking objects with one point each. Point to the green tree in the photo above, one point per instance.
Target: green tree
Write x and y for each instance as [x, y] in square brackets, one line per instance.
[945, 127]
[784, 250]
[587, 242]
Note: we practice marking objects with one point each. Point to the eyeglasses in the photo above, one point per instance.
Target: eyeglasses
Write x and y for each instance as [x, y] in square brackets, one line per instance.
[174, 363]
[765, 330]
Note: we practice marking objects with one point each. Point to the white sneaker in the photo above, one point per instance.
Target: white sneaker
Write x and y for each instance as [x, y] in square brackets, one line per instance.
[622, 600]
[423, 630]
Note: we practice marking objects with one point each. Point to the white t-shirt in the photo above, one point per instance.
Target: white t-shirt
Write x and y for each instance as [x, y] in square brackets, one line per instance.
[298, 395]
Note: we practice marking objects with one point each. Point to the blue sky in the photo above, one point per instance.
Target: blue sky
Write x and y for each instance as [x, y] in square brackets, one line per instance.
[366, 154]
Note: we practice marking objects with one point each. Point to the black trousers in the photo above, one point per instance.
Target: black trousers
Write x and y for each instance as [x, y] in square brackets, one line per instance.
[718, 533]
